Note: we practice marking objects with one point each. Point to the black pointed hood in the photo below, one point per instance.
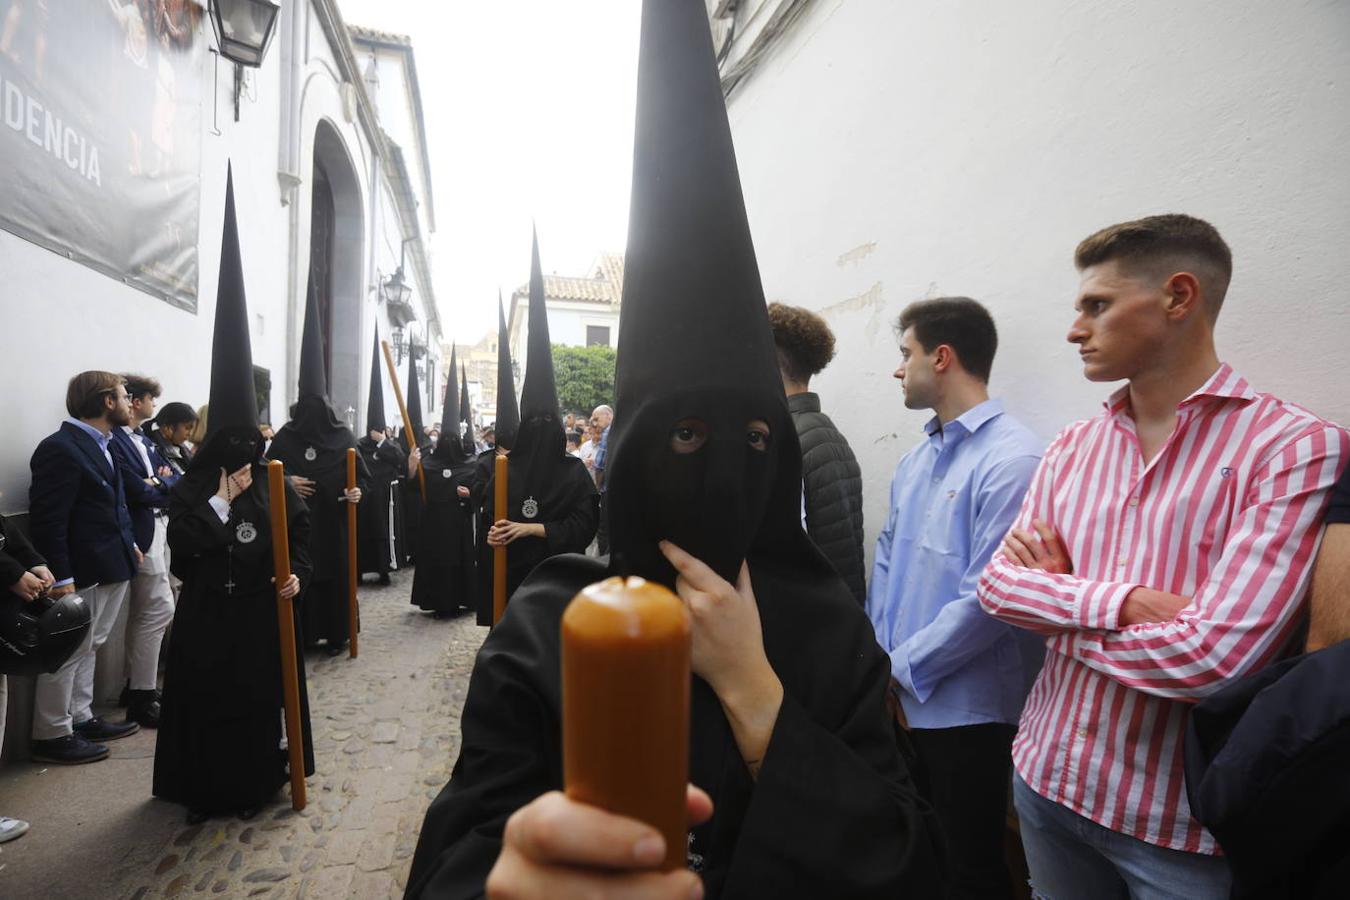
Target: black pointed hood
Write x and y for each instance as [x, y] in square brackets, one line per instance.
[449, 449]
[539, 393]
[232, 436]
[696, 360]
[465, 413]
[375, 405]
[413, 399]
[233, 398]
[508, 412]
[313, 378]
[314, 423]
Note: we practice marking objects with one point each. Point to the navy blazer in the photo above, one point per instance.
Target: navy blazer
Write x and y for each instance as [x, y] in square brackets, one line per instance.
[77, 514]
[142, 499]
[1266, 773]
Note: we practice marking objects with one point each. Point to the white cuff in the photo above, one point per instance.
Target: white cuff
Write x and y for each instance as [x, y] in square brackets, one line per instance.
[222, 509]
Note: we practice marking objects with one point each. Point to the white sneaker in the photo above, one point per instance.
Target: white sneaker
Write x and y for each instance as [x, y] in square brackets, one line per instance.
[11, 828]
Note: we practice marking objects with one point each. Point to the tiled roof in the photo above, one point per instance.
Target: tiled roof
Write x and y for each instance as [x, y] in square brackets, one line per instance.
[375, 36]
[605, 285]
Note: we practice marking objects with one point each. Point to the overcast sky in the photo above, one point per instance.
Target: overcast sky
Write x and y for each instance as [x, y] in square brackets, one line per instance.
[529, 115]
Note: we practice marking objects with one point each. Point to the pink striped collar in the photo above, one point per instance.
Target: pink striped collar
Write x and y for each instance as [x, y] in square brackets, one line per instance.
[1224, 384]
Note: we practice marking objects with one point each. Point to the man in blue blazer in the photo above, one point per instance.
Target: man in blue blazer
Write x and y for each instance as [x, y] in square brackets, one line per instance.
[79, 522]
[146, 479]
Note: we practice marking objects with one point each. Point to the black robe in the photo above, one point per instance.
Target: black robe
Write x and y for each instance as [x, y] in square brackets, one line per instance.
[323, 603]
[221, 724]
[567, 508]
[833, 813]
[387, 465]
[410, 497]
[444, 579]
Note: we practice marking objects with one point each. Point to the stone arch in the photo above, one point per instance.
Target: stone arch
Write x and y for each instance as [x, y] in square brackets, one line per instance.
[336, 255]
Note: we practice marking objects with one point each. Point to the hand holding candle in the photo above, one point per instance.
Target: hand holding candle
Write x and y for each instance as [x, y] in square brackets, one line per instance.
[625, 696]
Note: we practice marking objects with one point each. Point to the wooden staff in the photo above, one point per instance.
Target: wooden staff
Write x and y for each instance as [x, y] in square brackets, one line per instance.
[353, 609]
[499, 553]
[403, 409]
[290, 677]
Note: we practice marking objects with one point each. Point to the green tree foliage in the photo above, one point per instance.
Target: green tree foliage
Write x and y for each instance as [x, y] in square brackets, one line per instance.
[585, 376]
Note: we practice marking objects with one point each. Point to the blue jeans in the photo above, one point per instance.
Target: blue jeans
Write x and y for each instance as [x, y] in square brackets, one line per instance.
[1074, 858]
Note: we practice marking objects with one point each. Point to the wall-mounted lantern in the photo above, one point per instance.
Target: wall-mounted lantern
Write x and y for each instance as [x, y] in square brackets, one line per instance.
[244, 29]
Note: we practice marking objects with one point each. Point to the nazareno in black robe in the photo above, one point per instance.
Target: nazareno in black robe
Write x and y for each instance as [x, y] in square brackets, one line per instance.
[444, 578]
[833, 814]
[314, 445]
[386, 464]
[541, 479]
[218, 747]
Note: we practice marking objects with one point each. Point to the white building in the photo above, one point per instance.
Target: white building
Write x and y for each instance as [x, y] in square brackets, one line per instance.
[330, 175]
[894, 151]
[582, 311]
[331, 182]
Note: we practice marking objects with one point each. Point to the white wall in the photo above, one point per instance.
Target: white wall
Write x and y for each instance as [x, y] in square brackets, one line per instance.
[891, 151]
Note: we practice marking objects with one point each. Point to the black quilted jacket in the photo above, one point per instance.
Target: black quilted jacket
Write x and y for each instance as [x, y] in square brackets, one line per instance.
[833, 482]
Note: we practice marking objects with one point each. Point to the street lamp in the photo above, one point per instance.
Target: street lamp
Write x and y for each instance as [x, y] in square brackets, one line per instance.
[399, 340]
[394, 288]
[244, 29]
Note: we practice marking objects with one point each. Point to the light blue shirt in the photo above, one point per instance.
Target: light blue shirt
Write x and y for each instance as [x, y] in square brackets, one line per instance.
[97, 435]
[953, 498]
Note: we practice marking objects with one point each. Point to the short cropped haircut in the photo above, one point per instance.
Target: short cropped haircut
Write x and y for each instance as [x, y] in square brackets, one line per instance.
[805, 343]
[959, 322]
[1174, 241]
[175, 413]
[140, 385]
[85, 393]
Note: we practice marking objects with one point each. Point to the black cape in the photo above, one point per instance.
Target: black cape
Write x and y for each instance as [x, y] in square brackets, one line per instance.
[1268, 773]
[444, 579]
[386, 464]
[323, 603]
[833, 813]
[221, 727]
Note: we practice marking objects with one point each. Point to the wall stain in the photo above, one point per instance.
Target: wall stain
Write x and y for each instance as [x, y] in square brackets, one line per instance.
[871, 299]
[862, 251]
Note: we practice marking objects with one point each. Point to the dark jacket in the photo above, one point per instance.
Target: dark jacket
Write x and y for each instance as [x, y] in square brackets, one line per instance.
[77, 516]
[17, 556]
[142, 499]
[1267, 774]
[833, 483]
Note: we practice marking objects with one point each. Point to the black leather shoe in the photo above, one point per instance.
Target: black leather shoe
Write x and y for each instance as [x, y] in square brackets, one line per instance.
[124, 698]
[71, 750]
[384, 579]
[144, 709]
[99, 729]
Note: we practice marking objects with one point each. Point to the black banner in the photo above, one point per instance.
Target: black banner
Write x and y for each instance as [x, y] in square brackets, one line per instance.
[100, 135]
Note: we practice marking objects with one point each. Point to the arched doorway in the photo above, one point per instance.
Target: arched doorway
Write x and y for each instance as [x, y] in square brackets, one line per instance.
[336, 242]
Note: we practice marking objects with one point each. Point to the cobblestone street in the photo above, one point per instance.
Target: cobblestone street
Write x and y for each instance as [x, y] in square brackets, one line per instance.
[386, 730]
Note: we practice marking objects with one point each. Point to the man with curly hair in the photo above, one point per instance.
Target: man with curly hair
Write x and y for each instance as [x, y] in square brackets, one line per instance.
[831, 477]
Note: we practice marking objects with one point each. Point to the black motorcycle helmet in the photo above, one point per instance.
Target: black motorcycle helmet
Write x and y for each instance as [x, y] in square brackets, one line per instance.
[38, 636]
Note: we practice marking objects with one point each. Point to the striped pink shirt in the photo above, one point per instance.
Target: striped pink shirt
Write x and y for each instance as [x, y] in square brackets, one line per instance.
[1229, 514]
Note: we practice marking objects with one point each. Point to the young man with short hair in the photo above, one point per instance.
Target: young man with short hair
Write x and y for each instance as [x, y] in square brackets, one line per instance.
[831, 477]
[958, 677]
[1164, 551]
[79, 523]
[146, 479]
